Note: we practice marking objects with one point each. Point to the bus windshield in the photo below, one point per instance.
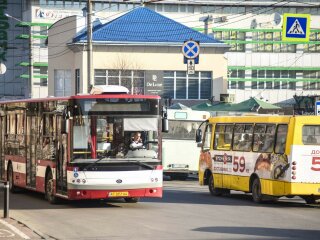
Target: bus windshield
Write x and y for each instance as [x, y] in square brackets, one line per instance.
[115, 137]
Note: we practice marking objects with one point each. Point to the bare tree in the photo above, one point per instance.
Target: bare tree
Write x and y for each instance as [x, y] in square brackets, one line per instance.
[128, 69]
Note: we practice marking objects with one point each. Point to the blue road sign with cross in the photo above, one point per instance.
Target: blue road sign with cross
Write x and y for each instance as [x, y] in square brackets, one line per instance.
[190, 49]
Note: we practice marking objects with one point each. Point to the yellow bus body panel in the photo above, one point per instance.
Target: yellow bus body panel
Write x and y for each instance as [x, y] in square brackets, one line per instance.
[273, 187]
[268, 187]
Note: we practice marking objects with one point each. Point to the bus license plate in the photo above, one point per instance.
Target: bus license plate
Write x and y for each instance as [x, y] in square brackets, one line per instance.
[118, 194]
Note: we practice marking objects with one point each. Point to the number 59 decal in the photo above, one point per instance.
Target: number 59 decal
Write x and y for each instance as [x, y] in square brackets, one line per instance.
[239, 164]
[315, 161]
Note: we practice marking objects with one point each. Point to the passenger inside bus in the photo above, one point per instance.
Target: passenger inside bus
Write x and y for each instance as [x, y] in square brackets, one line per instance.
[268, 144]
[245, 143]
[311, 139]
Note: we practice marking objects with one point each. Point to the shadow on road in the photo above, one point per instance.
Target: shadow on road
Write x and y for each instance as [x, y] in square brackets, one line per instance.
[35, 200]
[171, 194]
[264, 232]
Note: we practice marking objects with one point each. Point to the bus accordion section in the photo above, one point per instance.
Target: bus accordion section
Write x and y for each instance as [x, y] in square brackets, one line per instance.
[268, 156]
[80, 147]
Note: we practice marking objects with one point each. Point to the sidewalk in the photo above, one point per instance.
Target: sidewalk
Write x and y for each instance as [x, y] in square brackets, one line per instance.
[13, 230]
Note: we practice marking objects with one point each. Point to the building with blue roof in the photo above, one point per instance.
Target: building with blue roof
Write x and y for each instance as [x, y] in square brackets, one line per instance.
[141, 50]
[144, 26]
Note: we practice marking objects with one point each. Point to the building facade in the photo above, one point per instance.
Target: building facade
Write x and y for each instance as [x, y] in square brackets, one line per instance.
[259, 63]
[146, 58]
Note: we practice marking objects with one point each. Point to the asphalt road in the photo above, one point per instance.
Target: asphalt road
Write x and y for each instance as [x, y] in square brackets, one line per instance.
[187, 211]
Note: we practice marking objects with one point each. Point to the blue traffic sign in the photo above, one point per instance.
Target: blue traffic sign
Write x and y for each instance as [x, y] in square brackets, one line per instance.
[190, 49]
[317, 112]
[296, 27]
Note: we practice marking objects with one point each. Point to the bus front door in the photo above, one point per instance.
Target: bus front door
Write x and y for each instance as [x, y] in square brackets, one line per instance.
[61, 173]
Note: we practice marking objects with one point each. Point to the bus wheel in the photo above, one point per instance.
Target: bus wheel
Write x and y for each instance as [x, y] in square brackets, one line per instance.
[214, 191]
[309, 199]
[256, 191]
[10, 178]
[50, 189]
[132, 200]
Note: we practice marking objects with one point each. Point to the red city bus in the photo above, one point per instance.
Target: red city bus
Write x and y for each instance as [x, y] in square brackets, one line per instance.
[78, 147]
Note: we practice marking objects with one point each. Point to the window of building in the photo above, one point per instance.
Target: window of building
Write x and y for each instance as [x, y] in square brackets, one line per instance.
[131, 79]
[236, 73]
[314, 84]
[77, 80]
[232, 35]
[236, 85]
[273, 79]
[62, 82]
[180, 85]
[43, 3]
[43, 82]
[171, 8]
[267, 45]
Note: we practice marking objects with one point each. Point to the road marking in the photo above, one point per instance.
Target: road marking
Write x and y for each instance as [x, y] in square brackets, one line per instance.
[5, 233]
[14, 229]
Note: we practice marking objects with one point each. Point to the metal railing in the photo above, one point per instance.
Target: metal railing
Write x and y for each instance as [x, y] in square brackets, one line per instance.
[6, 198]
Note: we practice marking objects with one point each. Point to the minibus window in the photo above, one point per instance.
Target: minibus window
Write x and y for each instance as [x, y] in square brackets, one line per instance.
[242, 140]
[281, 138]
[207, 138]
[311, 135]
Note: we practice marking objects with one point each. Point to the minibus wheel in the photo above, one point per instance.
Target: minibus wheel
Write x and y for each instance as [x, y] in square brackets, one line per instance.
[309, 199]
[214, 191]
[256, 191]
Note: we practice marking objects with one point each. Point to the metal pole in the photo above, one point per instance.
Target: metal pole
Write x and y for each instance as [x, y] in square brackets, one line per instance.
[30, 64]
[6, 200]
[89, 47]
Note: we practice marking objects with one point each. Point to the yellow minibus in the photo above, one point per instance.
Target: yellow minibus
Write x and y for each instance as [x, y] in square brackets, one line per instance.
[268, 156]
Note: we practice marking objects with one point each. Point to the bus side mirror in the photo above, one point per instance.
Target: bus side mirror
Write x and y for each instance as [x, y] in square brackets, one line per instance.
[165, 122]
[165, 125]
[198, 135]
[66, 113]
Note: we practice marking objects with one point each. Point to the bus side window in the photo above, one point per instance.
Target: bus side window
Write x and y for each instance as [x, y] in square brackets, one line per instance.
[223, 136]
[242, 140]
[207, 138]
[311, 134]
[281, 138]
[263, 138]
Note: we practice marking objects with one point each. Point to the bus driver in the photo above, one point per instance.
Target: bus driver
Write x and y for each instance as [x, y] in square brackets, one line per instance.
[136, 142]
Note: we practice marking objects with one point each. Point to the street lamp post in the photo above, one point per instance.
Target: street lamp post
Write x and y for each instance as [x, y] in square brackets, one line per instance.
[29, 86]
[89, 45]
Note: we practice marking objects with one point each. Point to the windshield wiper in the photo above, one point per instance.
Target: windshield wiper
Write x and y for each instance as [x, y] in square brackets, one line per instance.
[96, 161]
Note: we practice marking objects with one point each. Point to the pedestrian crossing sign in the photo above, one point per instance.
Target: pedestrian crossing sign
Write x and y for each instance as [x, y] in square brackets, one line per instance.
[296, 27]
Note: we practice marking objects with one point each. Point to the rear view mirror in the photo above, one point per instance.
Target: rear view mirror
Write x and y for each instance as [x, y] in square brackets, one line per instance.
[198, 135]
[165, 122]
[64, 126]
[165, 125]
